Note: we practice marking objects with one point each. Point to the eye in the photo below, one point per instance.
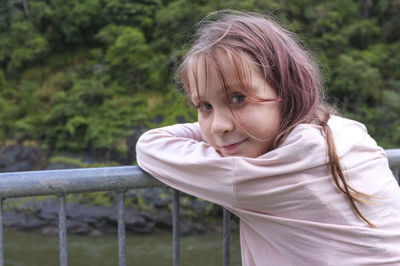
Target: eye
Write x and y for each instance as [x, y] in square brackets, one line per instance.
[207, 106]
[204, 107]
[237, 98]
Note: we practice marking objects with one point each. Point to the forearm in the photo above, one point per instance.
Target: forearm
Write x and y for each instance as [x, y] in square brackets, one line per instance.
[177, 156]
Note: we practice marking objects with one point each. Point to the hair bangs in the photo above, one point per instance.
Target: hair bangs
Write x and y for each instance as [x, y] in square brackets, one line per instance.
[232, 71]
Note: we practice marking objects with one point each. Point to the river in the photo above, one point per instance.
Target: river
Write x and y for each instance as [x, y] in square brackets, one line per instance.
[34, 249]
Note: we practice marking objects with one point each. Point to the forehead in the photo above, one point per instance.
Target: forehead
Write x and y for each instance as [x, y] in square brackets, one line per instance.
[221, 69]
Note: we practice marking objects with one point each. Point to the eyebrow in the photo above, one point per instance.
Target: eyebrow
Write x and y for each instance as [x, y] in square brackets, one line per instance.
[195, 97]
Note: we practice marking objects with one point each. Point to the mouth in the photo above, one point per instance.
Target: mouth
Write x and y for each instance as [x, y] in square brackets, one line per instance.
[232, 146]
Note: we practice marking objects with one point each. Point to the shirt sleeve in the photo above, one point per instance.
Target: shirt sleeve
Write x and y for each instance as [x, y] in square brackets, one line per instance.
[179, 157]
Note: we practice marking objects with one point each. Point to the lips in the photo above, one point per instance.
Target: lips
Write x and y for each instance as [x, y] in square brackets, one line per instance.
[232, 146]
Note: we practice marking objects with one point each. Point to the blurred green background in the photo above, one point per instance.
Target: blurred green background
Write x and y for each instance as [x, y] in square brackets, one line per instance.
[79, 76]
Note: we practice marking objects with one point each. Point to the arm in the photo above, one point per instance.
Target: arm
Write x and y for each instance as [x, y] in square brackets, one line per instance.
[178, 157]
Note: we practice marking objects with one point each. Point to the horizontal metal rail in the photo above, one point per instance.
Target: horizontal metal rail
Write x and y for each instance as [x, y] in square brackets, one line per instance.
[61, 182]
[119, 179]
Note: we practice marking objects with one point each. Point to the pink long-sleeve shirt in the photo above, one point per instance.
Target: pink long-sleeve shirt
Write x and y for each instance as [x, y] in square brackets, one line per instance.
[291, 212]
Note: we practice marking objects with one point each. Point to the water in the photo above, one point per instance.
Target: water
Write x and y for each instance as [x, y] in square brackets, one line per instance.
[34, 249]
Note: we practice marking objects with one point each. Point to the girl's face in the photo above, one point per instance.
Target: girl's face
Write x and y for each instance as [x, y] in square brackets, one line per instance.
[235, 125]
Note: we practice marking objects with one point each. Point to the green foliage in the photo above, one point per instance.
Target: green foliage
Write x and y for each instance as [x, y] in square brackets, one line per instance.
[81, 75]
[23, 44]
[89, 116]
[362, 33]
[71, 22]
[138, 13]
[391, 69]
[102, 198]
[78, 162]
[4, 15]
[2, 80]
[383, 121]
[127, 55]
[355, 82]
[174, 108]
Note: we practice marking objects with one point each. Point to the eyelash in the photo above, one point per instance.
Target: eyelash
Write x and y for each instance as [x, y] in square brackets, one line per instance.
[201, 106]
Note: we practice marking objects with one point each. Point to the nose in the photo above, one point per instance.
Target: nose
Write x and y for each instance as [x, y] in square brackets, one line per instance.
[222, 122]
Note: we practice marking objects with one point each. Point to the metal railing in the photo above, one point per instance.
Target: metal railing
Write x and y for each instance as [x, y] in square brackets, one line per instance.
[63, 182]
[118, 179]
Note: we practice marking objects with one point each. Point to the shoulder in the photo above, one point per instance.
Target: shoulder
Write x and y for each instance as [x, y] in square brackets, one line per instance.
[306, 145]
[304, 148]
[350, 135]
[340, 124]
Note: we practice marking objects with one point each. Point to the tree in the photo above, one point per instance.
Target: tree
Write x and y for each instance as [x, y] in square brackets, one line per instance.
[128, 55]
[22, 44]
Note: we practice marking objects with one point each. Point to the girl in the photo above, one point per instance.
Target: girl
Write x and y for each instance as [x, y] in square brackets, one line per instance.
[309, 187]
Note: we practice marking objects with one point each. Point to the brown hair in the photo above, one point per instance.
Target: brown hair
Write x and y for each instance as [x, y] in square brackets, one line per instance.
[288, 68]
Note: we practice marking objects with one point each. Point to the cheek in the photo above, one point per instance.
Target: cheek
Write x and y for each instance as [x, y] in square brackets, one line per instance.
[262, 121]
[274, 120]
[205, 129]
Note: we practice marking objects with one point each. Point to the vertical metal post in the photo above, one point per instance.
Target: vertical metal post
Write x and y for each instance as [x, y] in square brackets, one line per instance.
[226, 232]
[62, 231]
[121, 228]
[1, 234]
[175, 229]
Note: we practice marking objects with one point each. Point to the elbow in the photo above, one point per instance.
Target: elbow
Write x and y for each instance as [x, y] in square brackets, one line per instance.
[141, 146]
[146, 145]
